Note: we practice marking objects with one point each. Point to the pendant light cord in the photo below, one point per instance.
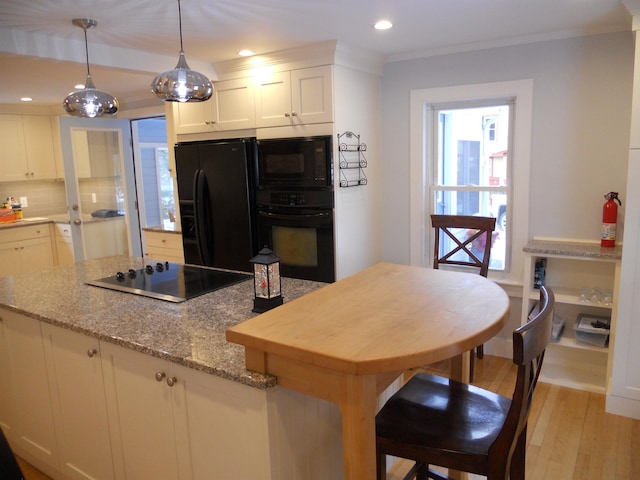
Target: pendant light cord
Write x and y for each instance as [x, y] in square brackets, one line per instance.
[180, 23]
[86, 49]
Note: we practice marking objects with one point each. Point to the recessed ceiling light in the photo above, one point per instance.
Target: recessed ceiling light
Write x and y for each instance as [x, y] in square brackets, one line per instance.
[246, 53]
[383, 25]
[26, 99]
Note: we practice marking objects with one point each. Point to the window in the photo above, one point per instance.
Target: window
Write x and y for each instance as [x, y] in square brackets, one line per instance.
[483, 171]
[471, 171]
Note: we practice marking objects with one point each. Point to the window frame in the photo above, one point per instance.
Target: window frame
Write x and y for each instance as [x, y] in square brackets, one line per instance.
[422, 172]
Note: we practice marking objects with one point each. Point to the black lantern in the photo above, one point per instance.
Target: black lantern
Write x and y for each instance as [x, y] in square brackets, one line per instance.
[266, 280]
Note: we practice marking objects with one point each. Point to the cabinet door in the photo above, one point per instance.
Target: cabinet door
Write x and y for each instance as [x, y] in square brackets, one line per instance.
[9, 258]
[273, 100]
[234, 104]
[312, 95]
[195, 117]
[226, 424]
[8, 401]
[64, 248]
[38, 139]
[79, 403]
[13, 154]
[35, 254]
[34, 425]
[140, 413]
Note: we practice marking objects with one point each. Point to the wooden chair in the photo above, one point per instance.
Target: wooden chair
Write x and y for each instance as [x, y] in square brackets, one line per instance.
[473, 250]
[436, 421]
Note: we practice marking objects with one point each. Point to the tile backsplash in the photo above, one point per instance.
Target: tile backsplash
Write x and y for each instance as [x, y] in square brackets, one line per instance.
[49, 197]
[44, 197]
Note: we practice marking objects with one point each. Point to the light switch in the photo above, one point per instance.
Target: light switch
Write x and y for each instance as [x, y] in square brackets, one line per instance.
[93, 198]
[23, 202]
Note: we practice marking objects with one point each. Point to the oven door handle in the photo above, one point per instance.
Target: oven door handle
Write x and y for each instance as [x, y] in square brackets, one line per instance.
[295, 216]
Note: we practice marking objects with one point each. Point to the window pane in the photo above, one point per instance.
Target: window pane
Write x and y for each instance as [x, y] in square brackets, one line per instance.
[471, 168]
[472, 146]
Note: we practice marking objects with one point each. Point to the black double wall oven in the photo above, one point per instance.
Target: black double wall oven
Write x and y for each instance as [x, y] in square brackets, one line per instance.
[294, 205]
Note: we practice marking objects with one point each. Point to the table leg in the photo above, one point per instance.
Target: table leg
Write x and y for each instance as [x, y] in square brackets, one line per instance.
[358, 406]
[459, 370]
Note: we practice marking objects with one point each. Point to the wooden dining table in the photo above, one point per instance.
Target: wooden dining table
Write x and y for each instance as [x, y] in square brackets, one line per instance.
[348, 341]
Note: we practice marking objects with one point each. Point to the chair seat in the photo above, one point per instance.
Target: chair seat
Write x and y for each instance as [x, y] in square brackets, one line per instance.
[433, 413]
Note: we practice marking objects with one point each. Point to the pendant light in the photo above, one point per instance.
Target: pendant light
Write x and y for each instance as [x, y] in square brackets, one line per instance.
[182, 84]
[89, 102]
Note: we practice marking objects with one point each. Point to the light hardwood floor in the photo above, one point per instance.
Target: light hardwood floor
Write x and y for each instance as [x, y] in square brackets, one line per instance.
[570, 437]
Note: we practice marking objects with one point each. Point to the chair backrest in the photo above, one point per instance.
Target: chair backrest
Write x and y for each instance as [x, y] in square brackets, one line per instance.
[475, 244]
[529, 343]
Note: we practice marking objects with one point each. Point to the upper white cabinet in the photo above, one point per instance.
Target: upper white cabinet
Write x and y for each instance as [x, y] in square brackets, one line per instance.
[231, 107]
[27, 148]
[96, 153]
[297, 97]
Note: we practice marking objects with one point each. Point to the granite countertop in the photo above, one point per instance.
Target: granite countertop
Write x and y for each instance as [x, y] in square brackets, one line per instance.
[166, 228]
[573, 249]
[191, 333]
[61, 218]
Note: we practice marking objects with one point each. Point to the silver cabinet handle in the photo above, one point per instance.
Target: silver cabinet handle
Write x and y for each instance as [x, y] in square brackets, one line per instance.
[287, 114]
[160, 376]
[171, 381]
[294, 114]
[91, 352]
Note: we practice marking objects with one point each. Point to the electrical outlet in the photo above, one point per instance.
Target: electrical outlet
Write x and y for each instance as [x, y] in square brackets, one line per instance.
[93, 198]
[23, 202]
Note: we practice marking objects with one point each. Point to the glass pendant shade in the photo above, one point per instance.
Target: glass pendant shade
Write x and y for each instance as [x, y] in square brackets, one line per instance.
[89, 102]
[182, 84]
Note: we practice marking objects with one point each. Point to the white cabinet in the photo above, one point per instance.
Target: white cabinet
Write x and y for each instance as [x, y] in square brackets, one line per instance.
[231, 107]
[27, 148]
[80, 412]
[174, 422]
[297, 97]
[25, 395]
[165, 246]
[570, 267]
[25, 249]
[64, 243]
[96, 153]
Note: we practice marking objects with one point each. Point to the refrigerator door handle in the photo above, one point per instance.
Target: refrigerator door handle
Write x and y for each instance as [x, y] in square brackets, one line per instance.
[201, 196]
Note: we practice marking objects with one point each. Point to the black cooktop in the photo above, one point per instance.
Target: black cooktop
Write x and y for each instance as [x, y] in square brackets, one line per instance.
[172, 282]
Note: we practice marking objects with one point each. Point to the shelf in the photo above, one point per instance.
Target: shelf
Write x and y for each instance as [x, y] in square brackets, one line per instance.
[569, 296]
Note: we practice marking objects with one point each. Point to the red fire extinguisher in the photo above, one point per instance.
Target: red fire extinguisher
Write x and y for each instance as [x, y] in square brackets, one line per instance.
[609, 220]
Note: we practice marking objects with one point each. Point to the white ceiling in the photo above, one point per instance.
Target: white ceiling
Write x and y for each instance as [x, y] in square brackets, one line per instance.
[42, 53]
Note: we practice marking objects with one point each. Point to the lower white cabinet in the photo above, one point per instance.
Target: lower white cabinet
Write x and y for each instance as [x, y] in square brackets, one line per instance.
[26, 412]
[78, 398]
[25, 249]
[64, 243]
[165, 246]
[80, 409]
[170, 421]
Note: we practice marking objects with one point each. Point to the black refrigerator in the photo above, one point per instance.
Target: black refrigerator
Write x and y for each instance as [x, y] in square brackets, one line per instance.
[215, 190]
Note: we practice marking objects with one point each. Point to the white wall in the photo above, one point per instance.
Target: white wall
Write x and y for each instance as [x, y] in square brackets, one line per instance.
[581, 118]
[358, 215]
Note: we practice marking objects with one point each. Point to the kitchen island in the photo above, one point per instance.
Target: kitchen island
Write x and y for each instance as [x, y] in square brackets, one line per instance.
[106, 384]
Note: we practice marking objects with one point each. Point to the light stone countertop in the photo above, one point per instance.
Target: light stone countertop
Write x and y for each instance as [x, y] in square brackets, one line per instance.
[191, 333]
[61, 218]
[573, 249]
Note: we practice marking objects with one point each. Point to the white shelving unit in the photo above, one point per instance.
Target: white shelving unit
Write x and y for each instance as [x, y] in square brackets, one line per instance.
[571, 266]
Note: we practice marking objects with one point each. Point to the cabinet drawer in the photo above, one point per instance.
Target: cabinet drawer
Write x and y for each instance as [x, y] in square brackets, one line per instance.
[163, 240]
[63, 230]
[24, 233]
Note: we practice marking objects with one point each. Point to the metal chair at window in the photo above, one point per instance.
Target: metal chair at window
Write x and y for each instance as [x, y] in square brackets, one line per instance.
[464, 240]
[433, 420]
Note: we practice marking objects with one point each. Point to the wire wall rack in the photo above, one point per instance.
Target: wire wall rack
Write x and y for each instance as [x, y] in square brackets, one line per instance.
[352, 160]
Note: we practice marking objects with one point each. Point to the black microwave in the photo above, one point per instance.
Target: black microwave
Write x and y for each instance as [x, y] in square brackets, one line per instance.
[304, 162]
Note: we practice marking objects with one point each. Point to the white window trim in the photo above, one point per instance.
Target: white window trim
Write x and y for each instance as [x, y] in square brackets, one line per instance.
[421, 236]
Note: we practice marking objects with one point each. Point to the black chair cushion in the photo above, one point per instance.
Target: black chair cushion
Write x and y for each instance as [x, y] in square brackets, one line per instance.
[443, 414]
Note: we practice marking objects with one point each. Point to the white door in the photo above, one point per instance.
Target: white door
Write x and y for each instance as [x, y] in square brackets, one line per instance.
[100, 185]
